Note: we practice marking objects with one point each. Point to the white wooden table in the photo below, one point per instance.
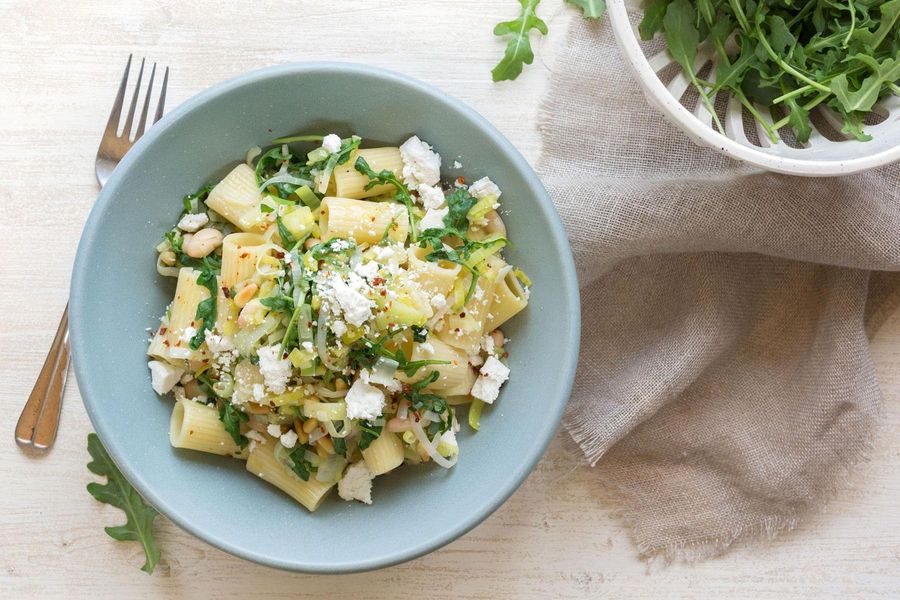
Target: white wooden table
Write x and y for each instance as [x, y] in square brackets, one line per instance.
[557, 537]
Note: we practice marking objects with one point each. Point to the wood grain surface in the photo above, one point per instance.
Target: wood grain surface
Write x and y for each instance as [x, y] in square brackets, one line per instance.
[557, 537]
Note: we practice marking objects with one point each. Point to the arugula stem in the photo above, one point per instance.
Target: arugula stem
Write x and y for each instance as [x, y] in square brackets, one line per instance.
[781, 63]
[808, 106]
[852, 22]
[894, 87]
[740, 15]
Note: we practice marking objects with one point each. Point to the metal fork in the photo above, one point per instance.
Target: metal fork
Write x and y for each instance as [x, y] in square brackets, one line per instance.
[39, 421]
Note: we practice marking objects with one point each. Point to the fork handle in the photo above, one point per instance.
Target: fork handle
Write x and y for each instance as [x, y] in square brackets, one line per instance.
[39, 421]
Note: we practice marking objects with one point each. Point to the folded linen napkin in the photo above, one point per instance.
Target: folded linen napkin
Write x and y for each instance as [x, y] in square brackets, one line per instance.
[725, 381]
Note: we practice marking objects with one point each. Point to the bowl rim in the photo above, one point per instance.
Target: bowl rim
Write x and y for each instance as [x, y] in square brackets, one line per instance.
[658, 96]
[80, 333]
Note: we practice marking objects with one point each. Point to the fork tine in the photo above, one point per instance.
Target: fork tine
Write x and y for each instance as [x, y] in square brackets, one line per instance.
[126, 130]
[162, 97]
[142, 122]
[112, 125]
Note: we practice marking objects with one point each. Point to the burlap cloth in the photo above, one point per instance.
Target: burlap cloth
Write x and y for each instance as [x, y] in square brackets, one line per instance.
[725, 384]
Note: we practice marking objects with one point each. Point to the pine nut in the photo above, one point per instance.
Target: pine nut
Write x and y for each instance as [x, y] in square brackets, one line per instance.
[340, 385]
[167, 258]
[310, 242]
[203, 243]
[310, 424]
[498, 337]
[243, 296]
[327, 444]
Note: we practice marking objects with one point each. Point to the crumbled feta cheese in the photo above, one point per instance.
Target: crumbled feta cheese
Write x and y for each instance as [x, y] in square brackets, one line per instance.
[193, 222]
[339, 328]
[356, 308]
[475, 360]
[356, 484]
[427, 348]
[457, 164]
[308, 346]
[431, 196]
[289, 439]
[218, 343]
[367, 270]
[163, 376]
[259, 391]
[275, 370]
[332, 143]
[439, 301]
[487, 344]
[254, 435]
[273, 430]
[188, 334]
[420, 163]
[493, 374]
[484, 187]
[364, 401]
[433, 219]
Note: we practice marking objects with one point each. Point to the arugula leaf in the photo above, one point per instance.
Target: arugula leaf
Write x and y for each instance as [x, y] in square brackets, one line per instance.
[279, 303]
[420, 334]
[370, 433]
[231, 418]
[287, 239]
[206, 310]
[340, 445]
[458, 205]
[387, 177]
[591, 9]
[299, 464]
[422, 401]
[653, 19]
[518, 49]
[119, 493]
[338, 246]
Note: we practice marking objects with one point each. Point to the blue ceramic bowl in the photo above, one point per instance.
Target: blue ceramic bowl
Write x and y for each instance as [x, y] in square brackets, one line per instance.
[116, 294]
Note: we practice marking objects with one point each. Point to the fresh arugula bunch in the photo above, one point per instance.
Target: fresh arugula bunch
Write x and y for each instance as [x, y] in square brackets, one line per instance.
[118, 492]
[788, 56]
[518, 49]
[387, 177]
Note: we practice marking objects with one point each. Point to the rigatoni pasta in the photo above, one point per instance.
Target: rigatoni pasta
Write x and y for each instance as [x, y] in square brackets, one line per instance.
[334, 308]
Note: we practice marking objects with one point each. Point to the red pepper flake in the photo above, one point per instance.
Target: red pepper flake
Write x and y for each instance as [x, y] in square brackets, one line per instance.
[462, 315]
[279, 254]
[384, 293]
[460, 180]
[226, 292]
[378, 281]
[163, 330]
[166, 343]
[244, 254]
[416, 415]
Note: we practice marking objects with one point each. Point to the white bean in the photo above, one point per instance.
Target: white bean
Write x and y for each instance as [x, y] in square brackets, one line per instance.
[202, 243]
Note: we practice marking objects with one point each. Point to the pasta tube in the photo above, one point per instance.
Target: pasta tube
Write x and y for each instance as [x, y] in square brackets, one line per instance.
[509, 299]
[240, 254]
[350, 183]
[433, 278]
[263, 464]
[454, 379]
[197, 426]
[237, 198]
[172, 341]
[384, 454]
[362, 220]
